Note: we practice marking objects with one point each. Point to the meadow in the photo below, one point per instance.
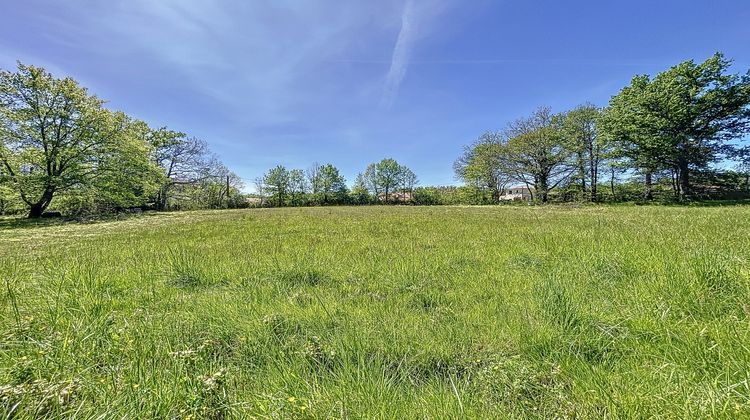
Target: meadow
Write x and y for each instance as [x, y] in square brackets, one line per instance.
[379, 312]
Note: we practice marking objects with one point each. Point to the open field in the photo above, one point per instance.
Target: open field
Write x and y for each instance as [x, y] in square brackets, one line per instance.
[380, 312]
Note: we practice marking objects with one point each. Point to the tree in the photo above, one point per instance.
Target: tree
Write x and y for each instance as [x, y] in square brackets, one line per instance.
[218, 188]
[59, 142]
[184, 161]
[330, 183]
[359, 193]
[481, 164]
[276, 183]
[590, 149]
[53, 134]
[681, 119]
[124, 176]
[370, 180]
[536, 153]
[408, 180]
[297, 185]
[383, 176]
[313, 177]
[260, 187]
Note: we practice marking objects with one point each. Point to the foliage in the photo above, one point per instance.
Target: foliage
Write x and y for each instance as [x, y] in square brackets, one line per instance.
[59, 144]
[55, 136]
[590, 149]
[360, 194]
[330, 185]
[385, 177]
[276, 183]
[481, 165]
[681, 119]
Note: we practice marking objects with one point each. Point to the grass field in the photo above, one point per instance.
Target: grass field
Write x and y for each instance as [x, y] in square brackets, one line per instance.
[386, 312]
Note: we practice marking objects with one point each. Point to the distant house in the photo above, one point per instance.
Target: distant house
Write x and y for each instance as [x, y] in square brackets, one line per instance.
[516, 194]
[255, 201]
[397, 196]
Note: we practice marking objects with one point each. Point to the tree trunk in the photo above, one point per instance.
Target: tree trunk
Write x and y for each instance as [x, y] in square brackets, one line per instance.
[612, 185]
[543, 191]
[582, 174]
[684, 179]
[228, 191]
[594, 181]
[161, 198]
[648, 194]
[40, 206]
[495, 193]
[594, 174]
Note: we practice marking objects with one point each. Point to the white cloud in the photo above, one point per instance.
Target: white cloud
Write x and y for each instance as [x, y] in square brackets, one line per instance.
[401, 54]
[255, 64]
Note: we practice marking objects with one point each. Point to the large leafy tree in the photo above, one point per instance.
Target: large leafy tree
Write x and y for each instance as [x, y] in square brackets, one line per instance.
[297, 185]
[330, 184]
[124, 176]
[276, 183]
[590, 149]
[536, 152]
[481, 164]
[185, 162]
[384, 177]
[681, 119]
[409, 180]
[54, 135]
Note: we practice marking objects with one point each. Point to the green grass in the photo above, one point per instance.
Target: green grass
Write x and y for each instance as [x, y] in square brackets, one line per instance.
[384, 312]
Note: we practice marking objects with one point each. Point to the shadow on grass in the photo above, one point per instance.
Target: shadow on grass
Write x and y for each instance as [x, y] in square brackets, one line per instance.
[719, 203]
[21, 222]
[690, 203]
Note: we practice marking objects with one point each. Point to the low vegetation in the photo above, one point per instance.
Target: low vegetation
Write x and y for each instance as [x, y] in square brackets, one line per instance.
[389, 312]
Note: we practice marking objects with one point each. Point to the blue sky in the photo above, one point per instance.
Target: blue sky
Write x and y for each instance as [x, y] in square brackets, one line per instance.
[350, 82]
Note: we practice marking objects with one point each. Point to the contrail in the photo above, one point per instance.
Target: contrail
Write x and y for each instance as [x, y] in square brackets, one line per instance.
[400, 58]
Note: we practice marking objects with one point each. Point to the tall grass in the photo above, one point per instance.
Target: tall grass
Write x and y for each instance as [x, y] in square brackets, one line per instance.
[380, 312]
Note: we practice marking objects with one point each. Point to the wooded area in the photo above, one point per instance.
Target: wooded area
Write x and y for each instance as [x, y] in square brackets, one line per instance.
[673, 133]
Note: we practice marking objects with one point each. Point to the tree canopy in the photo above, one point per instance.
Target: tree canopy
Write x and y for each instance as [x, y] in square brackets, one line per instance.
[681, 119]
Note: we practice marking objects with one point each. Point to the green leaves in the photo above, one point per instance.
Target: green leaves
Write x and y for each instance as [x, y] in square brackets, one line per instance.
[276, 182]
[680, 119]
[54, 134]
[385, 177]
[58, 141]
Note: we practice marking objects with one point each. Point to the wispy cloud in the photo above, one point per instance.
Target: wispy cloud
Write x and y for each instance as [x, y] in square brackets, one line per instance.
[256, 79]
[401, 55]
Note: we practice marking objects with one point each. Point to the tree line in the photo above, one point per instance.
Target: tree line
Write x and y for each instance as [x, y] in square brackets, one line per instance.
[59, 143]
[385, 181]
[672, 136]
[668, 132]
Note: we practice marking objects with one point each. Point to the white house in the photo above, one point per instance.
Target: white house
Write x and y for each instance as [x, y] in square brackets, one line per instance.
[518, 193]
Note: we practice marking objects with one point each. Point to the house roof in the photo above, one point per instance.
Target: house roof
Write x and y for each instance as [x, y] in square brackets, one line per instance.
[519, 187]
